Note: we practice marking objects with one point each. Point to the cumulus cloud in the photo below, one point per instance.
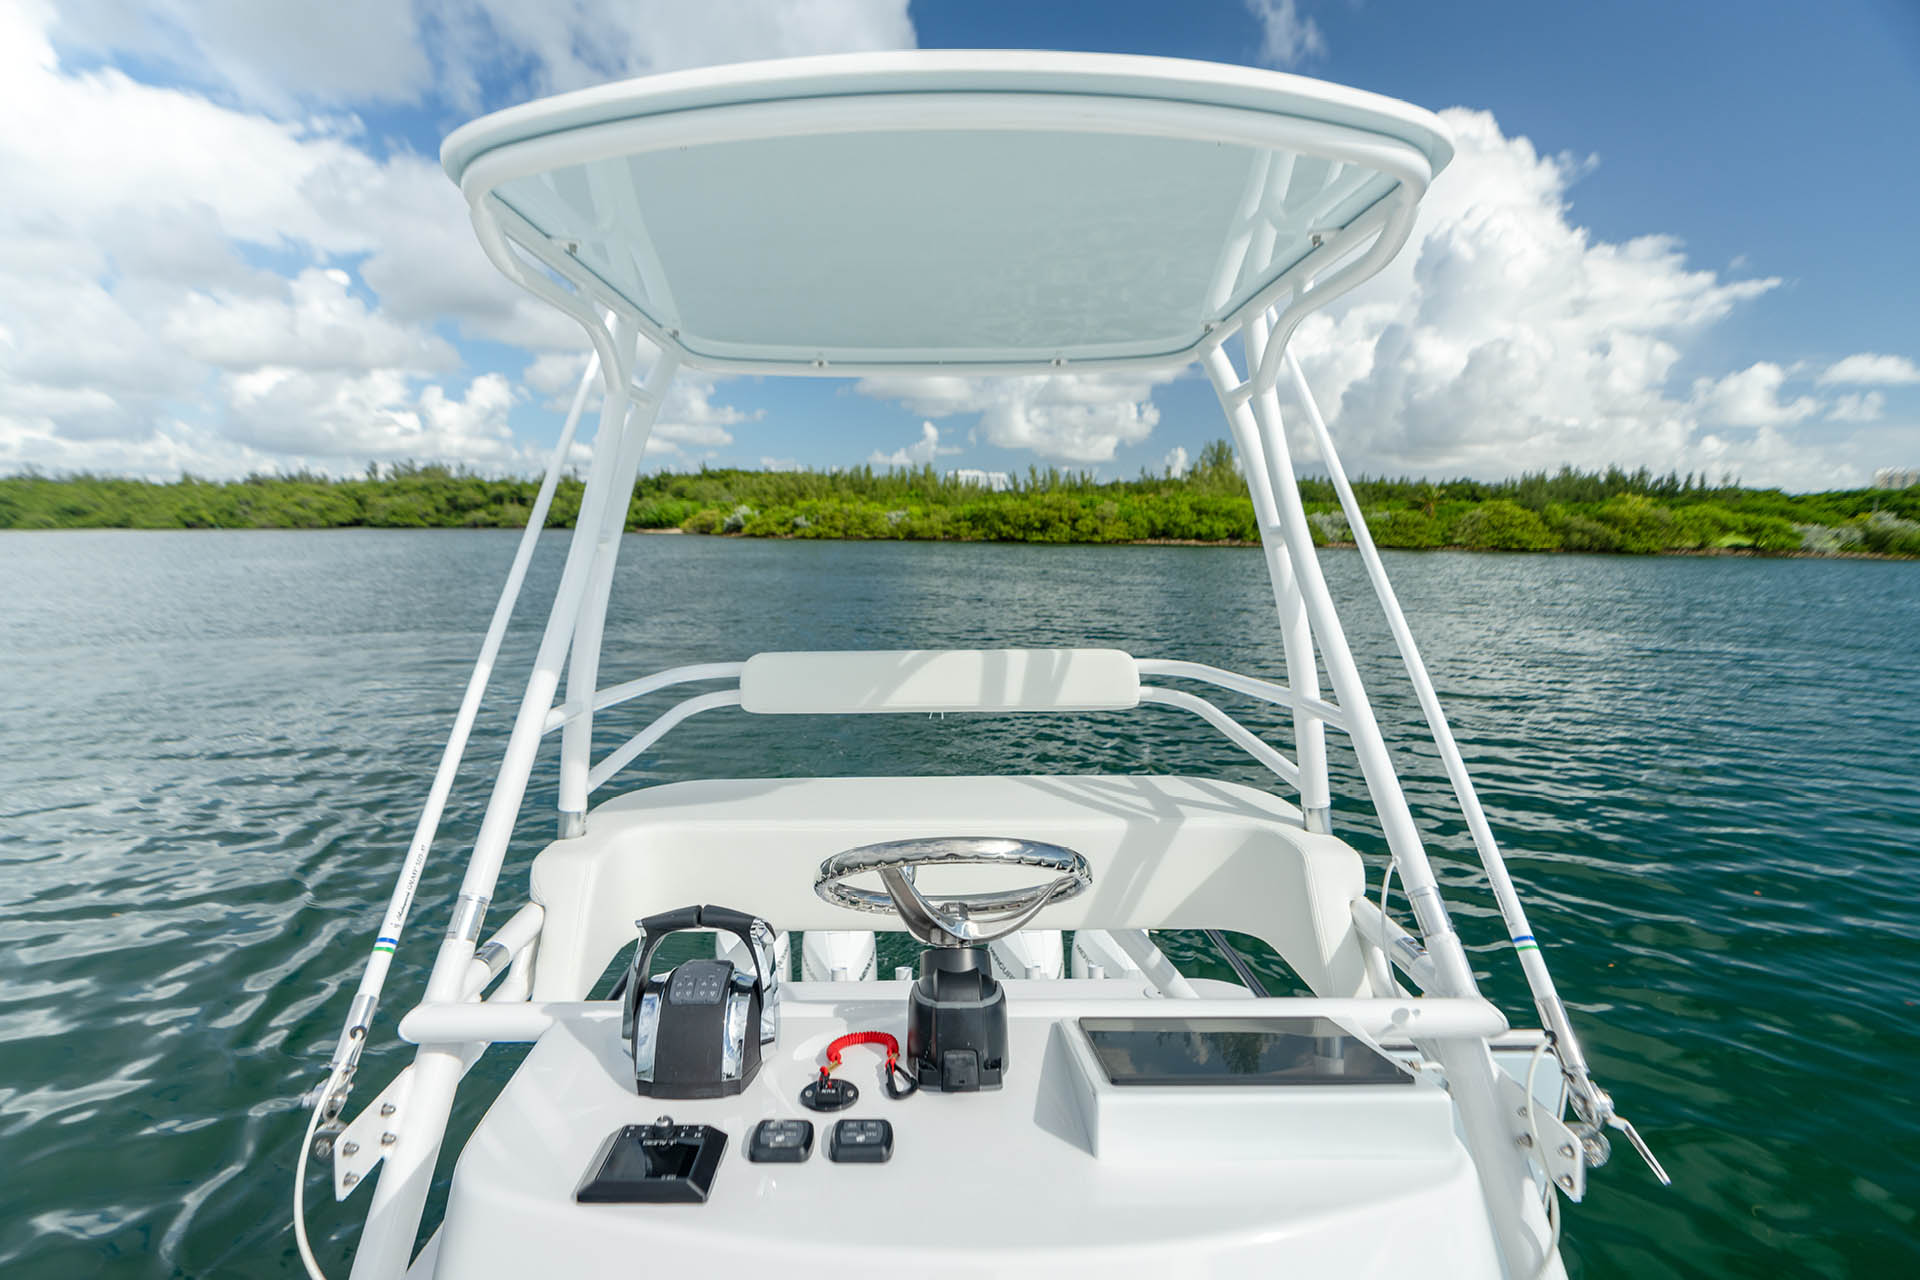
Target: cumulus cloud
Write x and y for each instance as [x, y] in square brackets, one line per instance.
[279, 57]
[1177, 463]
[315, 322]
[919, 453]
[1860, 407]
[139, 330]
[1070, 417]
[691, 427]
[569, 44]
[1750, 398]
[1871, 370]
[1286, 38]
[1506, 337]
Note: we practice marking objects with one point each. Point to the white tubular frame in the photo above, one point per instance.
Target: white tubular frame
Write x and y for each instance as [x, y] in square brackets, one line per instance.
[1381, 229]
[1452, 1022]
[1312, 709]
[1253, 410]
[1594, 1106]
[346, 1054]
[393, 1219]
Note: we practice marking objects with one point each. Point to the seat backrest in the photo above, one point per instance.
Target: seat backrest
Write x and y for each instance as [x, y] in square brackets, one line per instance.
[1165, 853]
[867, 681]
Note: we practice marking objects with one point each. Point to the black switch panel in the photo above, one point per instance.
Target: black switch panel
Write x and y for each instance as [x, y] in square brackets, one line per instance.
[699, 982]
[658, 1163]
[780, 1142]
[861, 1142]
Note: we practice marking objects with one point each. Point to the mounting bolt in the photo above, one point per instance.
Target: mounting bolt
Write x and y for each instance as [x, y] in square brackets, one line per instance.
[388, 1139]
[1566, 1151]
[349, 1148]
[387, 1108]
[322, 1147]
[1525, 1140]
[348, 1180]
[1565, 1181]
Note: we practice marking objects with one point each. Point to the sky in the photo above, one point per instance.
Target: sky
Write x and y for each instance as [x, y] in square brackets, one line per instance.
[1677, 235]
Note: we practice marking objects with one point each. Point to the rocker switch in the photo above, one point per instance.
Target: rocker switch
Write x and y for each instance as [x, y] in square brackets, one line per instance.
[780, 1142]
[861, 1142]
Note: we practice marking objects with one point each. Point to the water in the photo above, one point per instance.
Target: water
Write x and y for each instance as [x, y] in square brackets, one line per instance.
[213, 747]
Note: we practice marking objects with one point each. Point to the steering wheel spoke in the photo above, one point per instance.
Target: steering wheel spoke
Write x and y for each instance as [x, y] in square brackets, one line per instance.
[953, 920]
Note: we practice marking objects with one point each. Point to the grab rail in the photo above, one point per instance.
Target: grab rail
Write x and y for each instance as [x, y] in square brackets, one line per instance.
[614, 695]
[1252, 686]
[1265, 690]
[1235, 732]
[1406, 1017]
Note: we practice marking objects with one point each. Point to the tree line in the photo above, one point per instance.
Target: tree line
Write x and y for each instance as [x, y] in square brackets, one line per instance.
[1628, 512]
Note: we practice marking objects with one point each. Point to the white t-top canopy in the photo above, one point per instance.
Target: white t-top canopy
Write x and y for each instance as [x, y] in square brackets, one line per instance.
[971, 211]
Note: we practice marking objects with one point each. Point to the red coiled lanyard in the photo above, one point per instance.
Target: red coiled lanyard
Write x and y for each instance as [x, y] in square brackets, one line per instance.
[899, 1081]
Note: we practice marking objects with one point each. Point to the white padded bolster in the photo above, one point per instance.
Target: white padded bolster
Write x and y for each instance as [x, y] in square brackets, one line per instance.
[868, 681]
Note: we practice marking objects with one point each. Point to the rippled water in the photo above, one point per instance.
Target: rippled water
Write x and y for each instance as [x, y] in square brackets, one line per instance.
[213, 747]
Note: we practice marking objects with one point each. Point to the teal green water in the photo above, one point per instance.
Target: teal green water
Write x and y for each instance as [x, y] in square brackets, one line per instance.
[213, 748]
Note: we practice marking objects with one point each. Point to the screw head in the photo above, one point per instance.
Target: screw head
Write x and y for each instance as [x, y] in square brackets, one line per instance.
[387, 1108]
[1525, 1140]
[1566, 1181]
[322, 1148]
[349, 1179]
[1566, 1151]
[350, 1148]
[388, 1139]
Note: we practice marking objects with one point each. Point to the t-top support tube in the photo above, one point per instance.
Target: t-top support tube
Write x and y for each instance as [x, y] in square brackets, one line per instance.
[1519, 1222]
[1296, 632]
[583, 667]
[1593, 1105]
[1259, 419]
[393, 1219]
[360, 1013]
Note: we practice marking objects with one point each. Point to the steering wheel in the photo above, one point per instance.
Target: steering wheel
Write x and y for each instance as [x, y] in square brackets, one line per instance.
[954, 920]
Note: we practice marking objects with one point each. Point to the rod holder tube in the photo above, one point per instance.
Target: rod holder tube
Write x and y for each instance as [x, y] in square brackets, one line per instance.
[1592, 1104]
[394, 1217]
[400, 904]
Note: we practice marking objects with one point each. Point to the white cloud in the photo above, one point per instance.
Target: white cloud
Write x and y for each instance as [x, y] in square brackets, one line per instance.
[1859, 407]
[1069, 417]
[277, 56]
[1507, 337]
[1286, 38]
[1871, 370]
[919, 453]
[1177, 462]
[691, 425]
[314, 323]
[568, 44]
[143, 331]
[337, 421]
[1750, 398]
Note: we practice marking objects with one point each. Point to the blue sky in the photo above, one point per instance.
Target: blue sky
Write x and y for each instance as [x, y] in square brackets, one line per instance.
[1677, 235]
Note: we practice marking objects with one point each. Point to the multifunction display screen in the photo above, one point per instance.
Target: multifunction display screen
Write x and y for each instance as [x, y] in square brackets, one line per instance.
[1236, 1051]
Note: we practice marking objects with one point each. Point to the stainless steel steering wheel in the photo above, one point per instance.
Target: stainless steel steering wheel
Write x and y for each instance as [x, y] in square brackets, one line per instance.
[954, 920]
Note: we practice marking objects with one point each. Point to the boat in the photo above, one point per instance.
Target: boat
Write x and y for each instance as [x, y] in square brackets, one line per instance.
[1045, 1091]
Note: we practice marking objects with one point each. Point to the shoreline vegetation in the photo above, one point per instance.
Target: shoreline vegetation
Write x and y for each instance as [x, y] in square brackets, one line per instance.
[1632, 513]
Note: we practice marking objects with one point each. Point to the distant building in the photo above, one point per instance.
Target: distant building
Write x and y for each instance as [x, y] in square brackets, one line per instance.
[1896, 477]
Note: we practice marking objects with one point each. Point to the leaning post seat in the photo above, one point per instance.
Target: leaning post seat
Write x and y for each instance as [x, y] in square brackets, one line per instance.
[1166, 852]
